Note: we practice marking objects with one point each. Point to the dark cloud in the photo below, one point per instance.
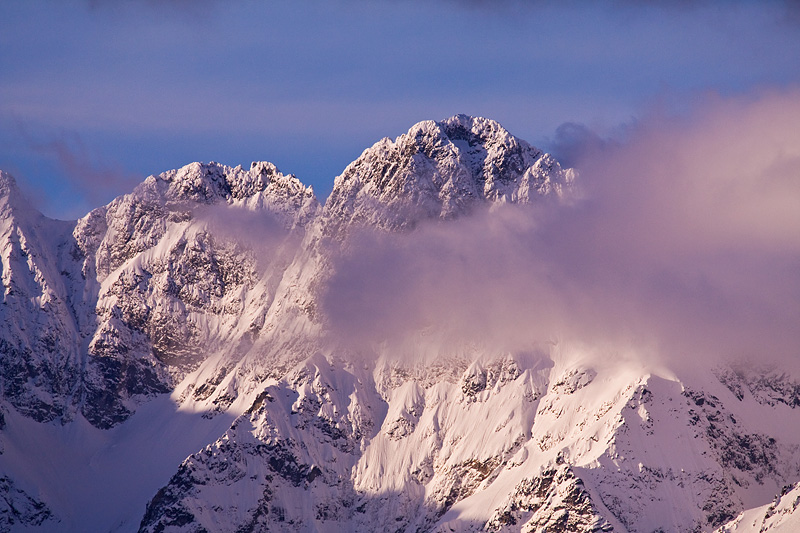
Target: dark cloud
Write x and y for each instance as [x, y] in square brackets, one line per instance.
[572, 142]
[685, 242]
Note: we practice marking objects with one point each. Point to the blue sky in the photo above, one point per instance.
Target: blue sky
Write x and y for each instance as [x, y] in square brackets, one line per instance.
[96, 95]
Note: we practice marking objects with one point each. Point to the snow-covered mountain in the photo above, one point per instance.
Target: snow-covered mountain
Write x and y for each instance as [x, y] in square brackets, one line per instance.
[441, 169]
[166, 364]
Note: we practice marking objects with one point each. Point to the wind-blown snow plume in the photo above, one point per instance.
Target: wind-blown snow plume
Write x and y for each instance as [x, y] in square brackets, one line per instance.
[685, 241]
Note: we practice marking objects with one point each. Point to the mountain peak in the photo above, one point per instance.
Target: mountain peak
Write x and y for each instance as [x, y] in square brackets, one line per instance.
[8, 186]
[6, 181]
[13, 203]
[467, 127]
[263, 186]
[207, 181]
[439, 170]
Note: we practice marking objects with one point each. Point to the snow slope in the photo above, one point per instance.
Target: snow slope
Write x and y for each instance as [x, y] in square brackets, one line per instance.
[778, 516]
[525, 441]
[100, 480]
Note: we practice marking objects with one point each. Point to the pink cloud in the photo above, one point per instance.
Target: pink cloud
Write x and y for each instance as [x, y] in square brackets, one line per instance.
[686, 241]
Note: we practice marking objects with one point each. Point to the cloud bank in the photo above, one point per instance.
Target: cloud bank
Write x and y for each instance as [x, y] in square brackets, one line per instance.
[685, 242]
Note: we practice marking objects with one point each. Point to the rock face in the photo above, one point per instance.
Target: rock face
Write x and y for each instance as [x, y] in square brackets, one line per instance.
[18, 509]
[115, 308]
[39, 368]
[441, 170]
[204, 283]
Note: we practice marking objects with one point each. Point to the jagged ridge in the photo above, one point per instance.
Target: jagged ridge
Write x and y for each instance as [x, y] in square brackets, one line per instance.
[152, 294]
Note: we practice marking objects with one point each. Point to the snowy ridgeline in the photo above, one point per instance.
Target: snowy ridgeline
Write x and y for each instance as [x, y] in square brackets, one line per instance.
[168, 364]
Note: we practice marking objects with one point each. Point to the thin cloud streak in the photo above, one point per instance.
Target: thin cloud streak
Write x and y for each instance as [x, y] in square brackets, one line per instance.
[96, 182]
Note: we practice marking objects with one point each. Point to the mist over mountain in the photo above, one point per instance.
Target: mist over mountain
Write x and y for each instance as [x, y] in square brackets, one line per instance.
[466, 336]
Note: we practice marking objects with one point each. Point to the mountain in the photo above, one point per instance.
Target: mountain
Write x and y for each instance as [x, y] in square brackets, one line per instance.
[168, 365]
[441, 169]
